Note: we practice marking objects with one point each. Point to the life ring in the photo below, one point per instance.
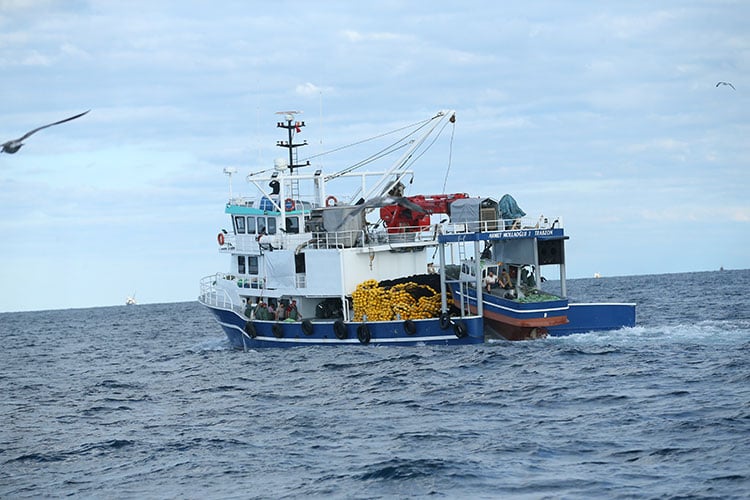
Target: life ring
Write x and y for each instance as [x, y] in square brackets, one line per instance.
[410, 327]
[250, 329]
[277, 330]
[220, 238]
[331, 201]
[445, 321]
[289, 204]
[339, 328]
[363, 333]
[307, 327]
[460, 329]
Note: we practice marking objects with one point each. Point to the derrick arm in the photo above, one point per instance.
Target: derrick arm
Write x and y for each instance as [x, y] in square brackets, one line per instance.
[398, 216]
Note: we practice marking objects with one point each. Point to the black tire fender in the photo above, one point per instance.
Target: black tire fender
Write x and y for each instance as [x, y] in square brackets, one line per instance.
[339, 328]
[410, 327]
[250, 330]
[460, 329]
[363, 333]
[445, 320]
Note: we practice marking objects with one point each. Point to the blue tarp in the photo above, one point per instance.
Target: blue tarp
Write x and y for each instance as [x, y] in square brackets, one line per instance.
[509, 209]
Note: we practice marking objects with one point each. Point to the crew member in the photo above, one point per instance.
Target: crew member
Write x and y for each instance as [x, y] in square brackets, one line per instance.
[490, 280]
[249, 309]
[292, 312]
[280, 311]
[505, 280]
[261, 312]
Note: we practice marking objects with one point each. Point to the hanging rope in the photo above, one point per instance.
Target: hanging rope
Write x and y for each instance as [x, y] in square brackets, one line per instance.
[413, 159]
[450, 157]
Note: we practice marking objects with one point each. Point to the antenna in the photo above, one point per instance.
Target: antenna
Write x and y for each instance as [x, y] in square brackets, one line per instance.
[230, 171]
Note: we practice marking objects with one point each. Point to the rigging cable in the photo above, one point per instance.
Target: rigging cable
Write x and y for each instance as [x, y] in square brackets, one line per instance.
[420, 123]
[423, 151]
[450, 157]
[380, 154]
[399, 144]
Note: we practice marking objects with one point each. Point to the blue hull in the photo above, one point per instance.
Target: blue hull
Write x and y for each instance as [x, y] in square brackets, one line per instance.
[511, 309]
[584, 318]
[459, 331]
[514, 320]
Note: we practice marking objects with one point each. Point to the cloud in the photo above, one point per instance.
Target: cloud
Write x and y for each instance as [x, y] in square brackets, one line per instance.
[635, 26]
[665, 144]
[358, 37]
[690, 212]
[310, 89]
[19, 5]
[74, 51]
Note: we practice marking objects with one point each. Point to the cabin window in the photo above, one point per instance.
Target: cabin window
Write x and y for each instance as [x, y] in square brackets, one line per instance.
[261, 225]
[241, 264]
[250, 225]
[239, 225]
[252, 264]
[299, 263]
[271, 225]
[292, 225]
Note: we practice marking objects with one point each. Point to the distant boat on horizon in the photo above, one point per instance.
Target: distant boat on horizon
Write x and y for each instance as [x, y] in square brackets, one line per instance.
[130, 301]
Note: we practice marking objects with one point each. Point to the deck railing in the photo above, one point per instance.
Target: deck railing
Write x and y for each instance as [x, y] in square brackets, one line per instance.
[501, 225]
[213, 295]
[412, 235]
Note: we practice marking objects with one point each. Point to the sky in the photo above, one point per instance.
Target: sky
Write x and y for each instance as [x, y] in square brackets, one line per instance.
[606, 114]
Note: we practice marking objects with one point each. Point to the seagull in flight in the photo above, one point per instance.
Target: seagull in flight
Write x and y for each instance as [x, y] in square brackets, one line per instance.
[726, 83]
[14, 145]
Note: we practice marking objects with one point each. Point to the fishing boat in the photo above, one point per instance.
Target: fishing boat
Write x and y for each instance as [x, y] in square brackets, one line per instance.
[309, 266]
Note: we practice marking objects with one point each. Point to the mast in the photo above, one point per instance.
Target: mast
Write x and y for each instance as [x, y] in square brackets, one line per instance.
[289, 144]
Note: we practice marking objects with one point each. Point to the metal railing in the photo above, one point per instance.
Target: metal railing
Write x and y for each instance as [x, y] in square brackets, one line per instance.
[418, 235]
[215, 296]
[501, 225]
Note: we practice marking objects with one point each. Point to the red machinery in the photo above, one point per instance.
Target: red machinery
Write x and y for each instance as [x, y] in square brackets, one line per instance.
[400, 219]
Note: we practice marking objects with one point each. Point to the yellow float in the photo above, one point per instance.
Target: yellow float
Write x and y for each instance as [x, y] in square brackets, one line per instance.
[402, 301]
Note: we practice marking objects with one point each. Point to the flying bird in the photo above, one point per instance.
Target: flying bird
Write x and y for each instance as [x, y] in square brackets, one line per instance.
[726, 83]
[14, 145]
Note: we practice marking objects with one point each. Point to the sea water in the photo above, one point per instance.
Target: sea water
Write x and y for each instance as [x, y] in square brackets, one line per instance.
[148, 401]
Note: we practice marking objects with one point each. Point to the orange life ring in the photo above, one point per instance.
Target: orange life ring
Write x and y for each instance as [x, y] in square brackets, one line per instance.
[331, 201]
[289, 204]
[220, 238]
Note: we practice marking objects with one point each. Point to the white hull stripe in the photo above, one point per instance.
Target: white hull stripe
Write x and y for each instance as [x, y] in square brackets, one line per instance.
[603, 304]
